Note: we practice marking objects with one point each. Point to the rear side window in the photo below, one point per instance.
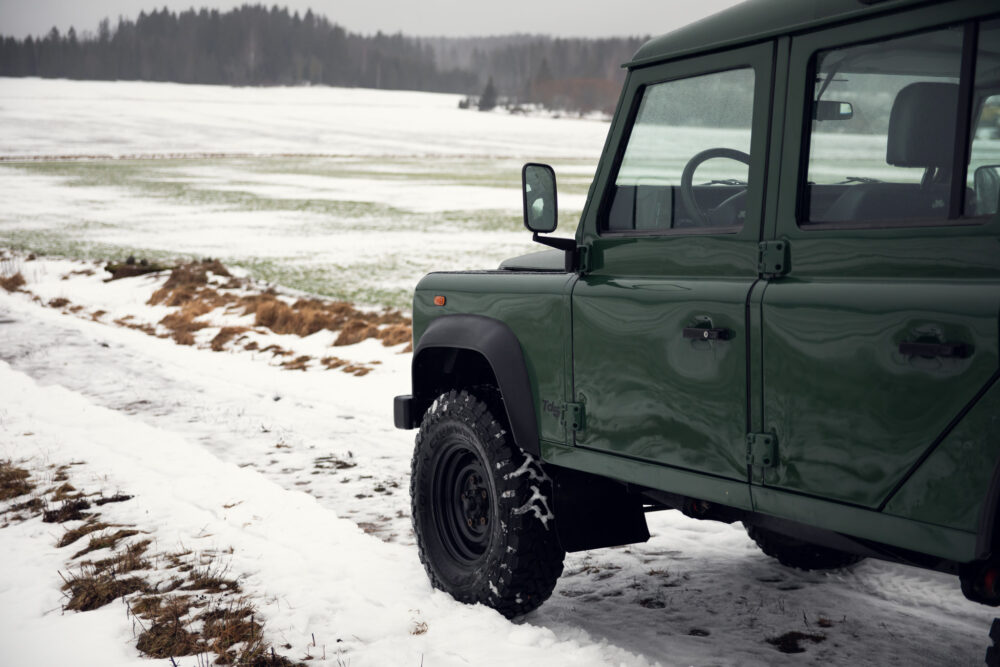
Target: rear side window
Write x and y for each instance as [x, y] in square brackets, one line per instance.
[685, 166]
[882, 139]
[983, 179]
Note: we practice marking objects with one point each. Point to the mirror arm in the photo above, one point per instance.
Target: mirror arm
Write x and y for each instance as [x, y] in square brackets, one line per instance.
[558, 243]
[568, 246]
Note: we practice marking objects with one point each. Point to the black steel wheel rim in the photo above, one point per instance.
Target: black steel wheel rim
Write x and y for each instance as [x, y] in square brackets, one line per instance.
[462, 501]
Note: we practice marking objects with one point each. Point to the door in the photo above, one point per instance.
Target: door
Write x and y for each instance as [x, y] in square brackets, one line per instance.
[659, 320]
[883, 332]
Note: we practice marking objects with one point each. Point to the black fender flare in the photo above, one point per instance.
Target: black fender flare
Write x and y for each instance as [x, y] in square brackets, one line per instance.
[501, 348]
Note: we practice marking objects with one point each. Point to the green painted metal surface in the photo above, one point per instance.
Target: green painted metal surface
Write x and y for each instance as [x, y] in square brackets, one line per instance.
[851, 412]
[536, 308]
[651, 393]
[928, 538]
[950, 487]
[759, 20]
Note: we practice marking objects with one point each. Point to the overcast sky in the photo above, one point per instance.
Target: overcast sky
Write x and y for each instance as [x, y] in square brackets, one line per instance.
[587, 18]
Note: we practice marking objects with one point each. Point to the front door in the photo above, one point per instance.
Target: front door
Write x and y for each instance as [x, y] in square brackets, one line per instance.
[659, 322]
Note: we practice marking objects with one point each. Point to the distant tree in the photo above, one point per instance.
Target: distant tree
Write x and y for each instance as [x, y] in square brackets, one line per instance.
[488, 100]
[258, 45]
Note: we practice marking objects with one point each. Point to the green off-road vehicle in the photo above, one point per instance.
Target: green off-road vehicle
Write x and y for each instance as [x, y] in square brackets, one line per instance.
[781, 307]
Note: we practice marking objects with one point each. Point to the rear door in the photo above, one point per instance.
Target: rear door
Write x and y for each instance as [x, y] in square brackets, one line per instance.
[882, 331]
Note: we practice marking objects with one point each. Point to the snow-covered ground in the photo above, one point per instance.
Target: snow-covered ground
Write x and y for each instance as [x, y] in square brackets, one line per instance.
[301, 474]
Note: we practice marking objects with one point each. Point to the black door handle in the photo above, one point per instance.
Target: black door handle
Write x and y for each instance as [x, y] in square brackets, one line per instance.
[952, 350]
[700, 333]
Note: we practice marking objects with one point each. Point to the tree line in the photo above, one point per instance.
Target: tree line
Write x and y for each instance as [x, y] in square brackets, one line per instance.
[258, 46]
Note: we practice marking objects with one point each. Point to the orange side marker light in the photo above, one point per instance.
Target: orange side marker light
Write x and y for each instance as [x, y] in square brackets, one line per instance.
[439, 300]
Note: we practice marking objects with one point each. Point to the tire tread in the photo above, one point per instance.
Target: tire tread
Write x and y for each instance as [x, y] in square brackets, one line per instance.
[797, 554]
[523, 576]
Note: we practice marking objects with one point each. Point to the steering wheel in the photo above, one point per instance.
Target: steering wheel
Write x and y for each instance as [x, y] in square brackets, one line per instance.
[701, 217]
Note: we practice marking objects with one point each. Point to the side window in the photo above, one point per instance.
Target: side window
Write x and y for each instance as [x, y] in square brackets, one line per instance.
[686, 162]
[983, 178]
[882, 140]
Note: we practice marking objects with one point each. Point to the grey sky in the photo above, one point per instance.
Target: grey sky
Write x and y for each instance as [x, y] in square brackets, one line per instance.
[593, 18]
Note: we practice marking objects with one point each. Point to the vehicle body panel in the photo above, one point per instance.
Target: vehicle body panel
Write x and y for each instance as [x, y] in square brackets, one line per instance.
[895, 449]
[522, 300]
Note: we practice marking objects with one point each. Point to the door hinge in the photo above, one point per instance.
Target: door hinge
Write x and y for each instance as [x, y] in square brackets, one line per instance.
[573, 415]
[774, 259]
[762, 450]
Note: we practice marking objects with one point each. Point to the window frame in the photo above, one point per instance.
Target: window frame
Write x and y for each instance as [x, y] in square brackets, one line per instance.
[759, 59]
[810, 46]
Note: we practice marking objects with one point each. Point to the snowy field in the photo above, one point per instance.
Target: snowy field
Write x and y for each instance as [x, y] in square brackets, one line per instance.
[298, 478]
[291, 183]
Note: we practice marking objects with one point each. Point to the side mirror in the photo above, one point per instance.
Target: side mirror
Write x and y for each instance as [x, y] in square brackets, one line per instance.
[538, 185]
[832, 110]
[987, 184]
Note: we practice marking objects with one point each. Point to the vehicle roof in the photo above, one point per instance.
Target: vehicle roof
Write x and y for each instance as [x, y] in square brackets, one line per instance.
[755, 20]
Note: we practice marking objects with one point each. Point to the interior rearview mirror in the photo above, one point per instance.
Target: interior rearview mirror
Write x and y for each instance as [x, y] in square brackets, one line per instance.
[538, 185]
[987, 184]
[832, 110]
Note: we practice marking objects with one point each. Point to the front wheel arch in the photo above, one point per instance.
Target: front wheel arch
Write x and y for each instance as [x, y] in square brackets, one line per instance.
[470, 351]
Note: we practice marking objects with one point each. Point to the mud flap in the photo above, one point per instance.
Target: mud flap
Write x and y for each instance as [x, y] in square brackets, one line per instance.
[593, 512]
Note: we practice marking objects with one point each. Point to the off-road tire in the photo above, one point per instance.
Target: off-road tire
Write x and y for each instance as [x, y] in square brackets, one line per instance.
[481, 509]
[993, 652]
[795, 553]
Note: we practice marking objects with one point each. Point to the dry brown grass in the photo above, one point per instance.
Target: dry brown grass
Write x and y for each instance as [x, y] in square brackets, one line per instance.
[211, 616]
[117, 498]
[228, 628]
[187, 290]
[138, 326]
[59, 302]
[71, 536]
[308, 316]
[62, 474]
[87, 589]
[355, 331]
[128, 560]
[130, 268]
[167, 635]
[191, 292]
[12, 283]
[297, 364]
[225, 335]
[301, 318]
[395, 334]
[66, 491]
[33, 506]
[70, 510]
[185, 280]
[13, 481]
[211, 578]
[182, 324]
[78, 272]
[332, 363]
[105, 541]
[231, 624]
